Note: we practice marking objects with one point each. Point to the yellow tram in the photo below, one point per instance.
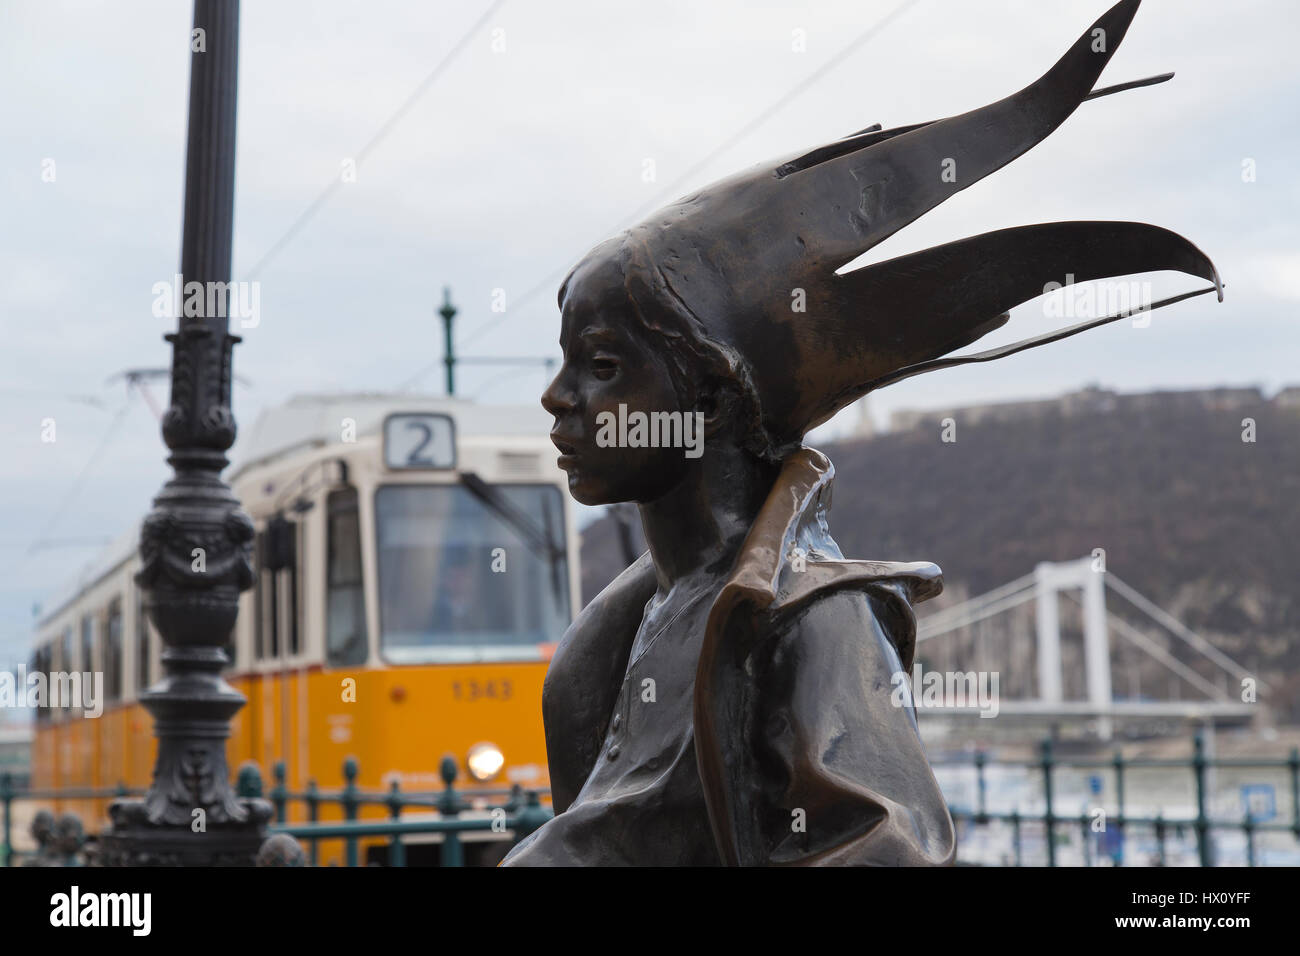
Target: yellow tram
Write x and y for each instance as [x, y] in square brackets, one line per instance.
[416, 564]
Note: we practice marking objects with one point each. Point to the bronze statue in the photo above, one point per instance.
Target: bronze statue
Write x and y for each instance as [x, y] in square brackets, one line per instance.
[727, 699]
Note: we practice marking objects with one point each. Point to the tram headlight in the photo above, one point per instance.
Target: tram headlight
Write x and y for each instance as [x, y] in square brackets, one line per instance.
[484, 761]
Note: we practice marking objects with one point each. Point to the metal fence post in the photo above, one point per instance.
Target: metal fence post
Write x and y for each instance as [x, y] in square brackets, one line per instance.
[982, 786]
[7, 798]
[1015, 835]
[1293, 762]
[1160, 838]
[1248, 825]
[531, 817]
[280, 793]
[350, 802]
[313, 815]
[1118, 855]
[449, 805]
[1202, 821]
[248, 782]
[1048, 817]
[396, 851]
[515, 800]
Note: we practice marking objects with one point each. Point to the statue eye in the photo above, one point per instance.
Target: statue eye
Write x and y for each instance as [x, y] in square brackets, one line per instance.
[604, 367]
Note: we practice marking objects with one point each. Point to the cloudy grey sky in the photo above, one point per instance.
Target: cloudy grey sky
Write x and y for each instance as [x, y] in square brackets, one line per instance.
[514, 161]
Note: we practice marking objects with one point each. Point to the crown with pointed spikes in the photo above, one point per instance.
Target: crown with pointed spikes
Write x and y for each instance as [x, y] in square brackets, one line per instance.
[729, 259]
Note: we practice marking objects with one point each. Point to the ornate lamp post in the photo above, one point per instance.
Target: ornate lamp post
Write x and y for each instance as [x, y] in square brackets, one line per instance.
[196, 543]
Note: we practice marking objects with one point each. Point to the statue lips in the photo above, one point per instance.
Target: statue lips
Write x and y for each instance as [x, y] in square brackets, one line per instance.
[568, 452]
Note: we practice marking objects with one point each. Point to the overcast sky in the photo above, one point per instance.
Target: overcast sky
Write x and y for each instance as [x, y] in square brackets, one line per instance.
[515, 160]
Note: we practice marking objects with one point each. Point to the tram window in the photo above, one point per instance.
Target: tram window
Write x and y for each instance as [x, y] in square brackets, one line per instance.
[47, 665]
[41, 665]
[257, 602]
[64, 663]
[87, 644]
[286, 585]
[457, 579]
[33, 666]
[113, 650]
[272, 615]
[346, 637]
[267, 634]
[291, 598]
[141, 644]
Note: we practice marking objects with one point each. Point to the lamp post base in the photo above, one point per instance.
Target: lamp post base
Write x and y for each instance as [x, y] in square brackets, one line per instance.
[134, 841]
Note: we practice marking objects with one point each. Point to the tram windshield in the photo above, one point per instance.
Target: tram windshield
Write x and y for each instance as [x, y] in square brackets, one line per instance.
[468, 573]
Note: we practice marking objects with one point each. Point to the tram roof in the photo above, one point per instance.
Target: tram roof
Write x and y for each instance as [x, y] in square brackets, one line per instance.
[94, 571]
[312, 421]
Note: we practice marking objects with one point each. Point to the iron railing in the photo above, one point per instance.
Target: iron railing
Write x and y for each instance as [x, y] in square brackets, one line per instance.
[519, 815]
[1162, 827]
[13, 789]
[521, 812]
[516, 816]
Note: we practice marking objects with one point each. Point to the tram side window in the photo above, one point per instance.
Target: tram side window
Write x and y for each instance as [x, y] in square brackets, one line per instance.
[266, 637]
[65, 663]
[275, 592]
[291, 598]
[346, 638]
[41, 663]
[258, 654]
[272, 615]
[87, 643]
[113, 651]
[33, 666]
[141, 644]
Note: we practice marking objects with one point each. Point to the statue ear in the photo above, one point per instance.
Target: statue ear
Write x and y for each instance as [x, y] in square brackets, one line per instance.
[720, 401]
[710, 401]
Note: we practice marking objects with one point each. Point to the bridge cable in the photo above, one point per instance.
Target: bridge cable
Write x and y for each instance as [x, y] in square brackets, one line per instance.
[1180, 629]
[1162, 656]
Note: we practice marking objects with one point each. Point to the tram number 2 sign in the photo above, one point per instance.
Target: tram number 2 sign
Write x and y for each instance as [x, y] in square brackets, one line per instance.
[419, 440]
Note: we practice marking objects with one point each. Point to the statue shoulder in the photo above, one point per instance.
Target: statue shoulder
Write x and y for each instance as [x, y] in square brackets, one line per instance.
[621, 600]
[890, 588]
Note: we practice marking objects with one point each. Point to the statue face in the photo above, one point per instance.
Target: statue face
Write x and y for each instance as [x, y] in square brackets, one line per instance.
[610, 361]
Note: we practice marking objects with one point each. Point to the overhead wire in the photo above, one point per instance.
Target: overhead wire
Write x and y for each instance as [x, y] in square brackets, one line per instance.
[74, 489]
[668, 192]
[316, 204]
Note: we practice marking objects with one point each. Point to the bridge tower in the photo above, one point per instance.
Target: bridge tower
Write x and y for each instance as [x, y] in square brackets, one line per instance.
[1050, 578]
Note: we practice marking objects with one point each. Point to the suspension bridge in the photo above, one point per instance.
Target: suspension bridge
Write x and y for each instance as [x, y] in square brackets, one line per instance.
[1219, 690]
